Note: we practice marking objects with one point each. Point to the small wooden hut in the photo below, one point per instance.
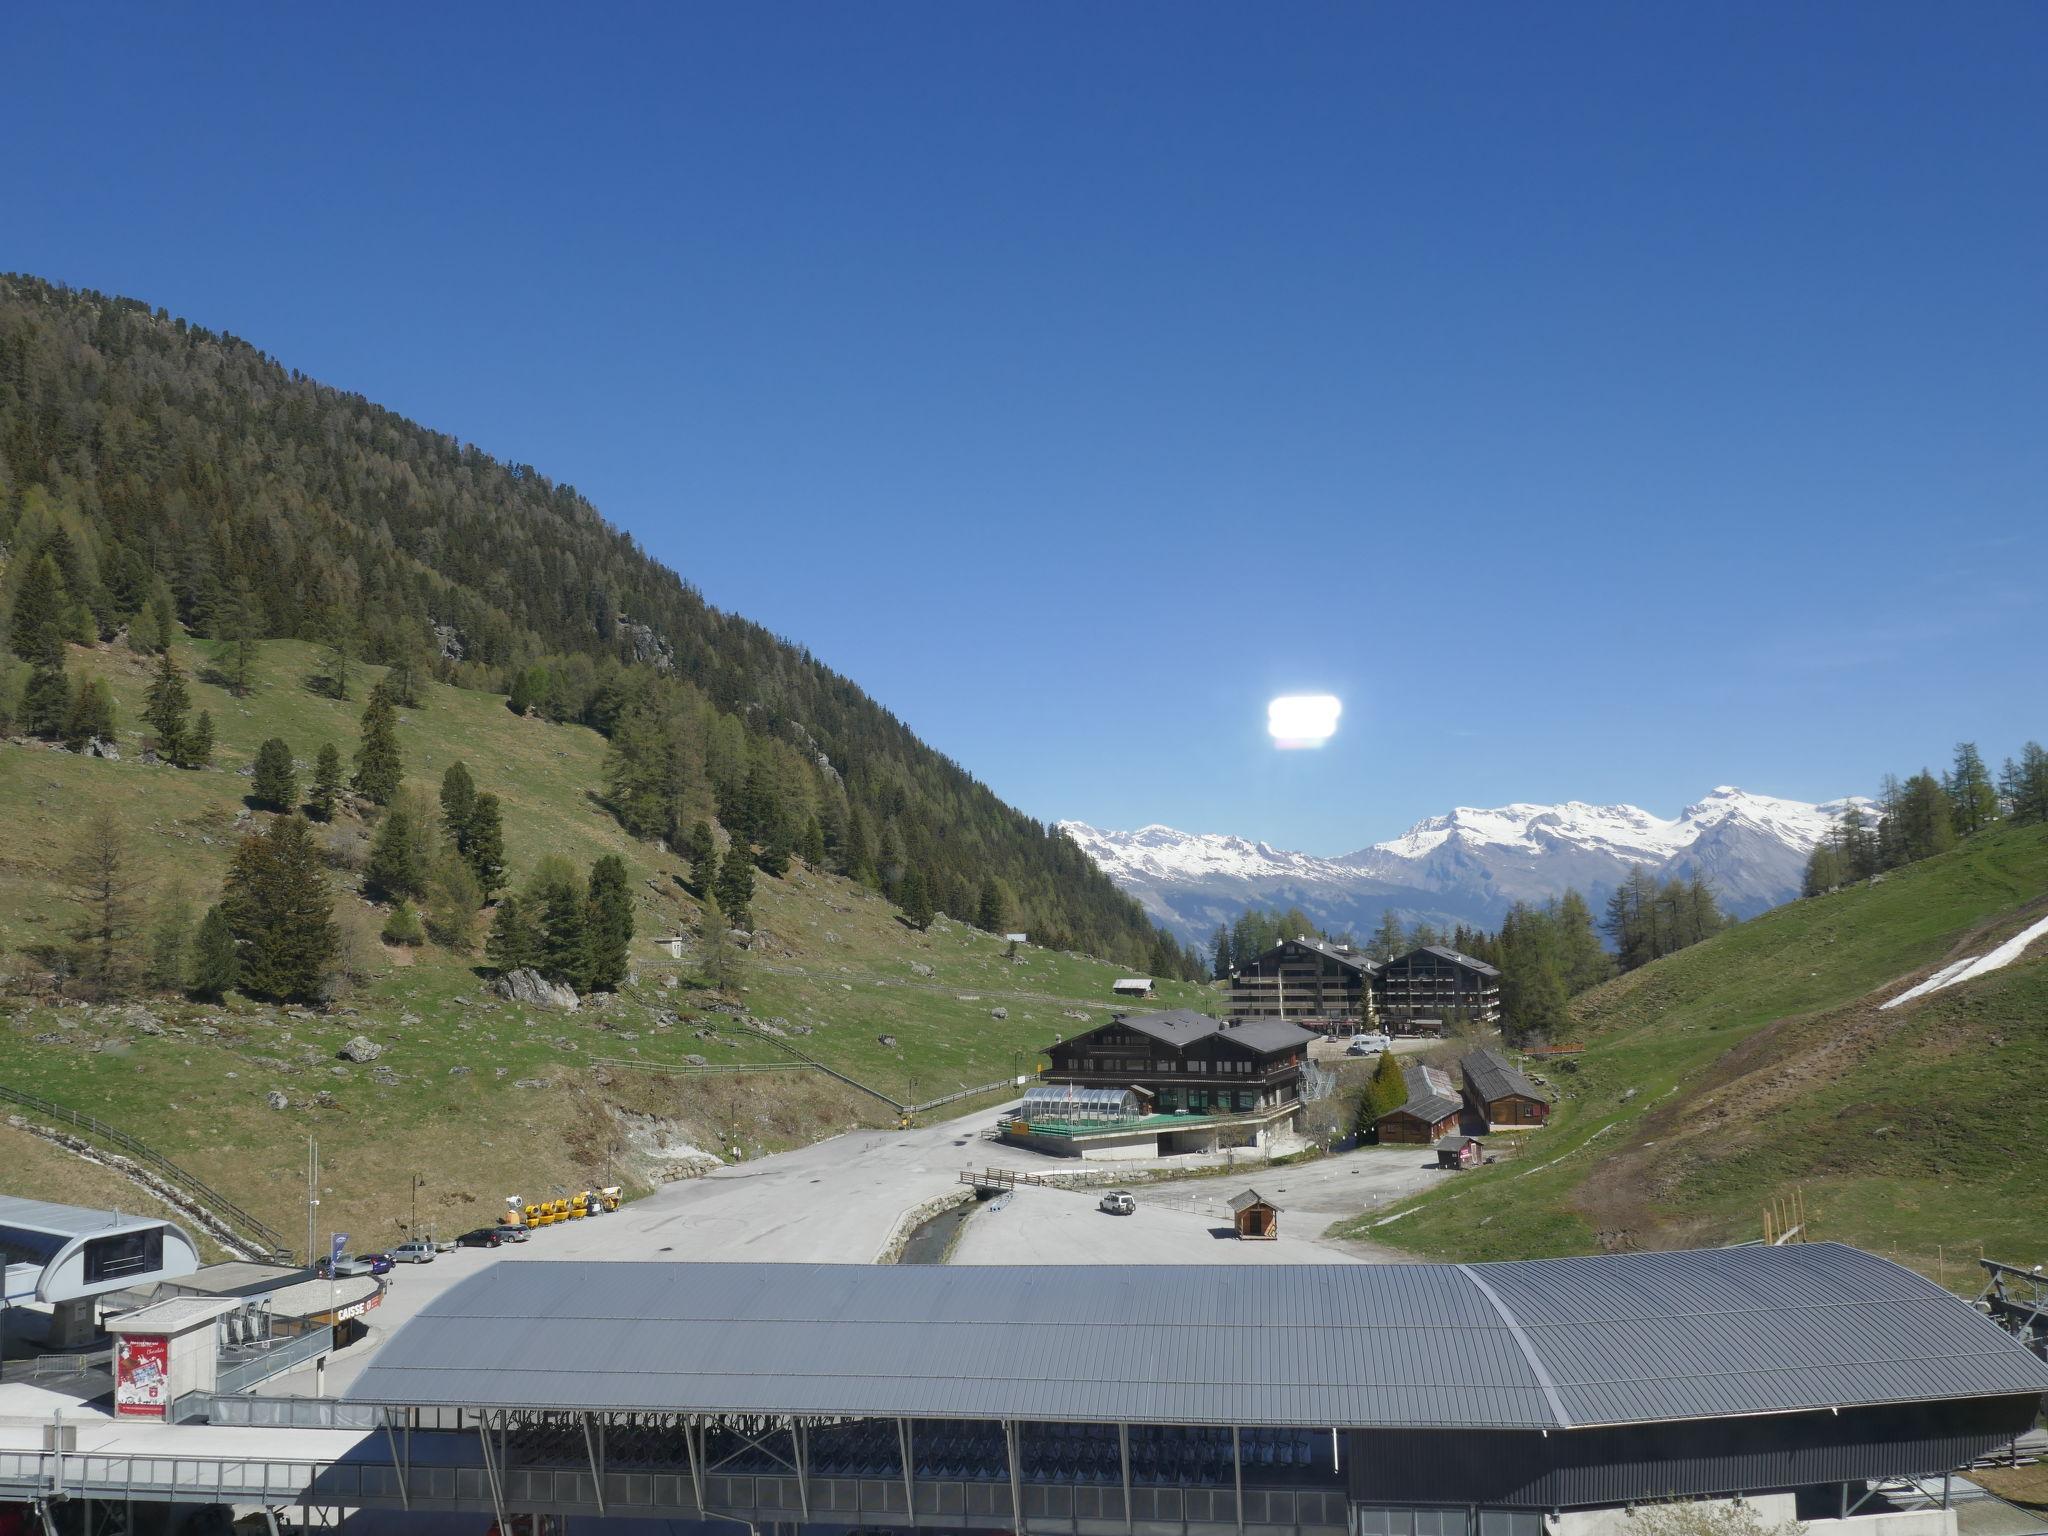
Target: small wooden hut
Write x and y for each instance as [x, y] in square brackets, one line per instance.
[1460, 1152]
[1255, 1215]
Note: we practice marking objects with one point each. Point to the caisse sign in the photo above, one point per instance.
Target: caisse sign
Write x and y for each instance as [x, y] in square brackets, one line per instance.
[142, 1376]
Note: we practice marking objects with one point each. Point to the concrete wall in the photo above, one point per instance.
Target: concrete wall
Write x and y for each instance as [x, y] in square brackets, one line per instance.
[1770, 1509]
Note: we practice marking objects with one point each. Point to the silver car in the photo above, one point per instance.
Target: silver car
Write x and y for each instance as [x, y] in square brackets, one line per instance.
[418, 1251]
[1117, 1203]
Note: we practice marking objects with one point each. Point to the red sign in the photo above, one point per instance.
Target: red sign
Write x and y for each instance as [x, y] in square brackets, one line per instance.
[142, 1376]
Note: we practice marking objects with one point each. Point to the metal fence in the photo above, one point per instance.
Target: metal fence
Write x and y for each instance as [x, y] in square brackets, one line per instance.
[244, 1374]
[239, 1221]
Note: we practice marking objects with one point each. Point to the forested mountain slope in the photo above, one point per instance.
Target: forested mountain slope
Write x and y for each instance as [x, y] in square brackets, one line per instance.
[1760, 1062]
[178, 477]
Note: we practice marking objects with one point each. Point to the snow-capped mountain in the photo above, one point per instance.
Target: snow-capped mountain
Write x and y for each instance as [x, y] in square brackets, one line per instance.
[1472, 864]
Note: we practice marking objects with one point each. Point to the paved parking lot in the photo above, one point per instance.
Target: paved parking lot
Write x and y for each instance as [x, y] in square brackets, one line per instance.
[1188, 1221]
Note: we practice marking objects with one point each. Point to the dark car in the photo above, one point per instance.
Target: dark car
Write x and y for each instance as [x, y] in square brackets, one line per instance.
[482, 1237]
[380, 1263]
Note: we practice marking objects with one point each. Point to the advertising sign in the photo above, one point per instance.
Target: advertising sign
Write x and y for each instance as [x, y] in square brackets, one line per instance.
[142, 1376]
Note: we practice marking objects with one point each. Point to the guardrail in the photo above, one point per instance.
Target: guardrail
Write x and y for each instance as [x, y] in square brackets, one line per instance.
[244, 1374]
[240, 1223]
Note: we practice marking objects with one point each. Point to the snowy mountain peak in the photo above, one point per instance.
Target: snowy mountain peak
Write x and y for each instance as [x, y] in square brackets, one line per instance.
[1472, 862]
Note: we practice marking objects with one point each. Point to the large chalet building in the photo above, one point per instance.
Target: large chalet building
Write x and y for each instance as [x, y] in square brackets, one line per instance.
[1325, 986]
[1428, 990]
[1335, 988]
[1194, 1084]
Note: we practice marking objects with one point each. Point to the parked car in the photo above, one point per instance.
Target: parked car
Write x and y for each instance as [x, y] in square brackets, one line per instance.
[512, 1234]
[1117, 1203]
[346, 1267]
[482, 1237]
[380, 1263]
[1368, 1045]
[418, 1251]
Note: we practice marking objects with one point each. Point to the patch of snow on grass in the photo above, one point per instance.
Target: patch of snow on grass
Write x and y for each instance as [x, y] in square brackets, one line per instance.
[1970, 969]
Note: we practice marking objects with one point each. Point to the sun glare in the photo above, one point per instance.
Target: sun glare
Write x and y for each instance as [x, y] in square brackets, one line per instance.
[1303, 719]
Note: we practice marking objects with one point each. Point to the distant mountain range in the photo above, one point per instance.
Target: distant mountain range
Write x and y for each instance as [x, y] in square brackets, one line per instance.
[1469, 866]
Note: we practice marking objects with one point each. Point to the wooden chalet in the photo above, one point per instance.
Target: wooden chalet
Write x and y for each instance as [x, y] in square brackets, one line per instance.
[1427, 989]
[1499, 1095]
[1327, 987]
[1254, 1215]
[1431, 1113]
[1187, 1063]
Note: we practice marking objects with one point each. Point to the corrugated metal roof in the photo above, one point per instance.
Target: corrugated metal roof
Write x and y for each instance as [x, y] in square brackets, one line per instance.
[1543, 1343]
[70, 1220]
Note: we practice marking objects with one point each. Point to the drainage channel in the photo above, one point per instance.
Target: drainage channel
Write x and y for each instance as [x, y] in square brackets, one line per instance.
[933, 1240]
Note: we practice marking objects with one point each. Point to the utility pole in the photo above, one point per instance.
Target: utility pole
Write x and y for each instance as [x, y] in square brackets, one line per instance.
[414, 1230]
[312, 1195]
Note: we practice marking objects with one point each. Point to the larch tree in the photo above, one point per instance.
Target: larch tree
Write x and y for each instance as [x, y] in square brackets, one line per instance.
[914, 896]
[101, 886]
[166, 705]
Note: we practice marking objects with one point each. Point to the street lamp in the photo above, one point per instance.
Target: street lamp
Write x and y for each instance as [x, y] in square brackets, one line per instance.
[413, 1231]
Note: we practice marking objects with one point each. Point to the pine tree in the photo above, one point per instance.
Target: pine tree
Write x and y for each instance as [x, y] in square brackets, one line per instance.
[813, 845]
[1389, 940]
[1823, 869]
[701, 849]
[564, 943]
[326, 790]
[608, 925]
[514, 942]
[214, 963]
[166, 705]
[1219, 964]
[100, 885]
[199, 744]
[484, 845]
[379, 765]
[396, 869]
[276, 784]
[237, 627]
[773, 859]
[458, 804]
[2030, 788]
[337, 671]
[163, 618]
[37, 623]
[914, 896]
[989, 910]
[46, 698]
[734, 888]
[91, 715]
[282, 914]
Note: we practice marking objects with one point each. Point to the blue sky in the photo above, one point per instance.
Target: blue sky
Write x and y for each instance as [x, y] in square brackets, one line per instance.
[1606, 402]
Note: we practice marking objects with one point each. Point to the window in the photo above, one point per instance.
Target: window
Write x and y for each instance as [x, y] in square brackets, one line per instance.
[126, 1254]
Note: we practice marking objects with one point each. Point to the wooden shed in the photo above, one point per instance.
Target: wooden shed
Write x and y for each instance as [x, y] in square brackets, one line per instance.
[1255, 1215]
[1460, 1152]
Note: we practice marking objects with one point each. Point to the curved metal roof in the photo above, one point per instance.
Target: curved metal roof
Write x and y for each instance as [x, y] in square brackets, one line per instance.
[1536, 1344]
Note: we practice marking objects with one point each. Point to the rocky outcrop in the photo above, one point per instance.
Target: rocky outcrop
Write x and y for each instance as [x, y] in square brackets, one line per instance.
[644, 644]
[528, 986]
[360, 1048]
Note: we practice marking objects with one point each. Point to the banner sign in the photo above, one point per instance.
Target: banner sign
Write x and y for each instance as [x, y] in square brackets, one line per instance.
[142, 1376]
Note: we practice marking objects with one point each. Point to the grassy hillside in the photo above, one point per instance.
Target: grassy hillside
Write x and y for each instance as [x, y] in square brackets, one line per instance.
[834, 971]
[1759, 1062]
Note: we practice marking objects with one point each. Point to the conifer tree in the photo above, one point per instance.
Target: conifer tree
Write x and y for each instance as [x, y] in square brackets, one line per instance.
[453, 897]
[166, 705]
[734, 887]
[282, 914]
[276, 783]
[237, 628]
[102, 887]
[379, 765]
[514, 941]
[718, 958]
[1389, 940]
[38, 607]
[812, 847]
[396, 870]
[915, 897]
[701, 849]
[336, 663]
[326, 788]
[564, 939]
[483, 847]
[403, 926]
[1387, 1092]
[1973, 802]
[46, 699]
[163, 617]
[608, 925]
[458, 803]
[1219, 949]
[91, 716]
[199, 744]
[170, 937]
[213, 966]
[773, 859]
[989, 911]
